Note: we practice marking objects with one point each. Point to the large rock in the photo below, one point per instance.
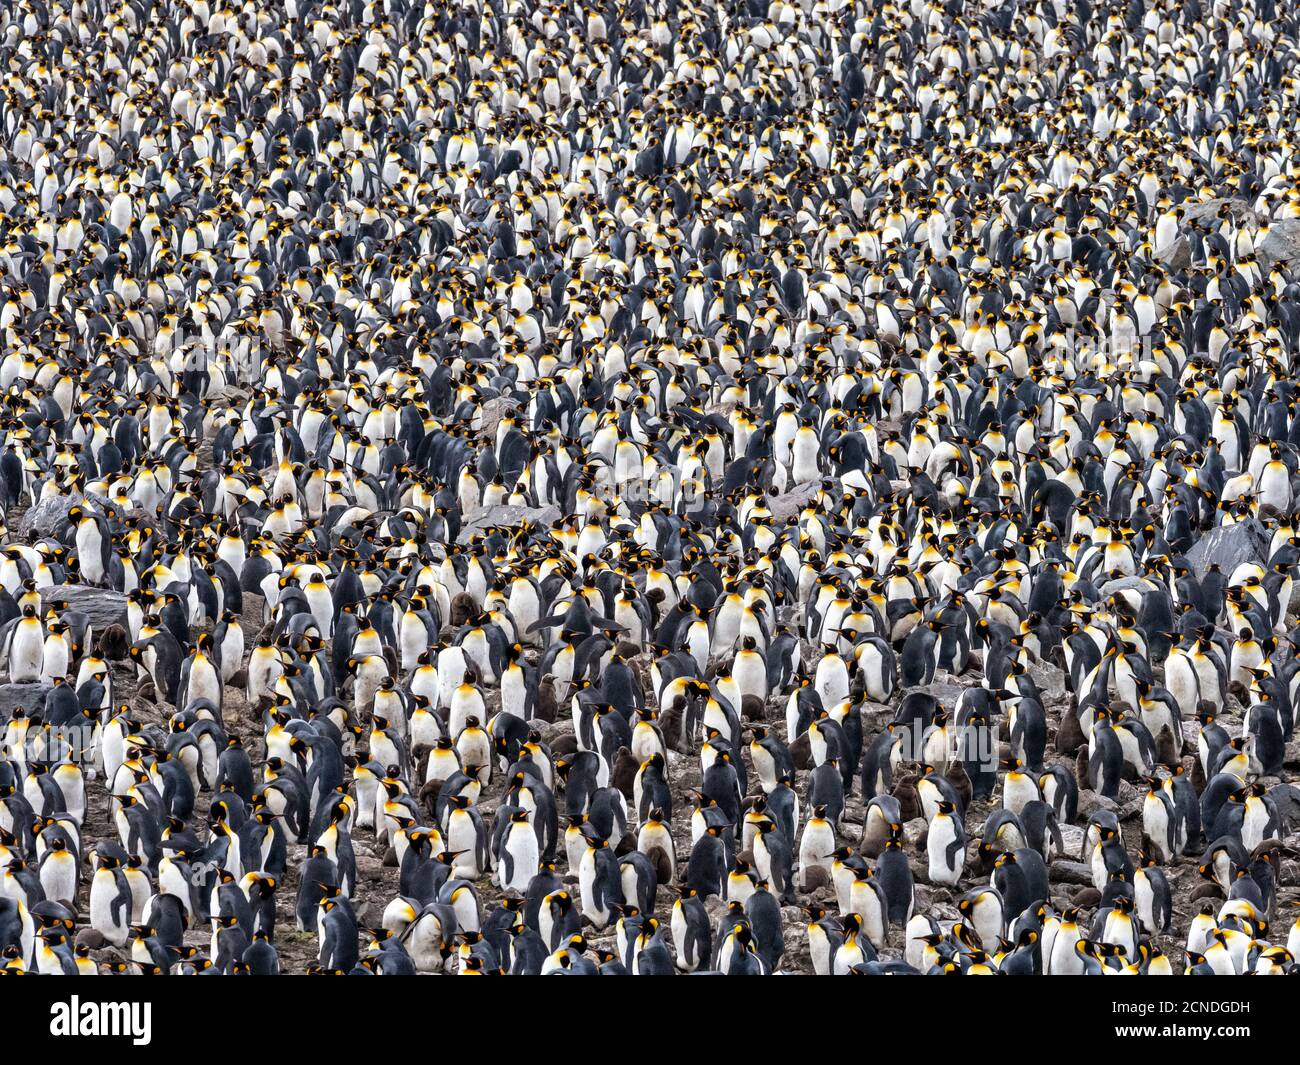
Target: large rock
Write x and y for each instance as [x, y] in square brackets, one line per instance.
[1286, 797]
[1049, 678]
[1130, 801]
[1131, 588]
[944, 687]
[790, 504]
[1282, 244]
[915, 831]
[1091, 801]
[103, 606]
[1228, 546]
[1178, 256]
[30, 696]
[1208, 210]
[508, 517]
[1065, 871]
[491, 413]
[1203, 215]
[47, 518]
[1072, 837]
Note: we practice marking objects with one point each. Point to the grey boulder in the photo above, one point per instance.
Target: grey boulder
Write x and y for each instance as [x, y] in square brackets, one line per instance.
[102, 606]
[1228, 547]
[508, 517]
[29, 695]
[47, 518]
[1282, 243]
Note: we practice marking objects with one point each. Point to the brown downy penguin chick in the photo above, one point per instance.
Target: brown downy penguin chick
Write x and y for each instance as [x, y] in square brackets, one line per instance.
[1081, 770]
[1168, 749]
[545, 707]
[1069, 733]
[960, 780]
[114, 645]
[1198, 776]
[462, 609]
[428, 795]
[564, 745]
[622, 774]
[801, 751]
[1206, 890]
[909, 802]
[671, 723]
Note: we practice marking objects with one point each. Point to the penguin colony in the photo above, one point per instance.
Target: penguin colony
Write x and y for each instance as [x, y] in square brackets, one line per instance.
[648, 487]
